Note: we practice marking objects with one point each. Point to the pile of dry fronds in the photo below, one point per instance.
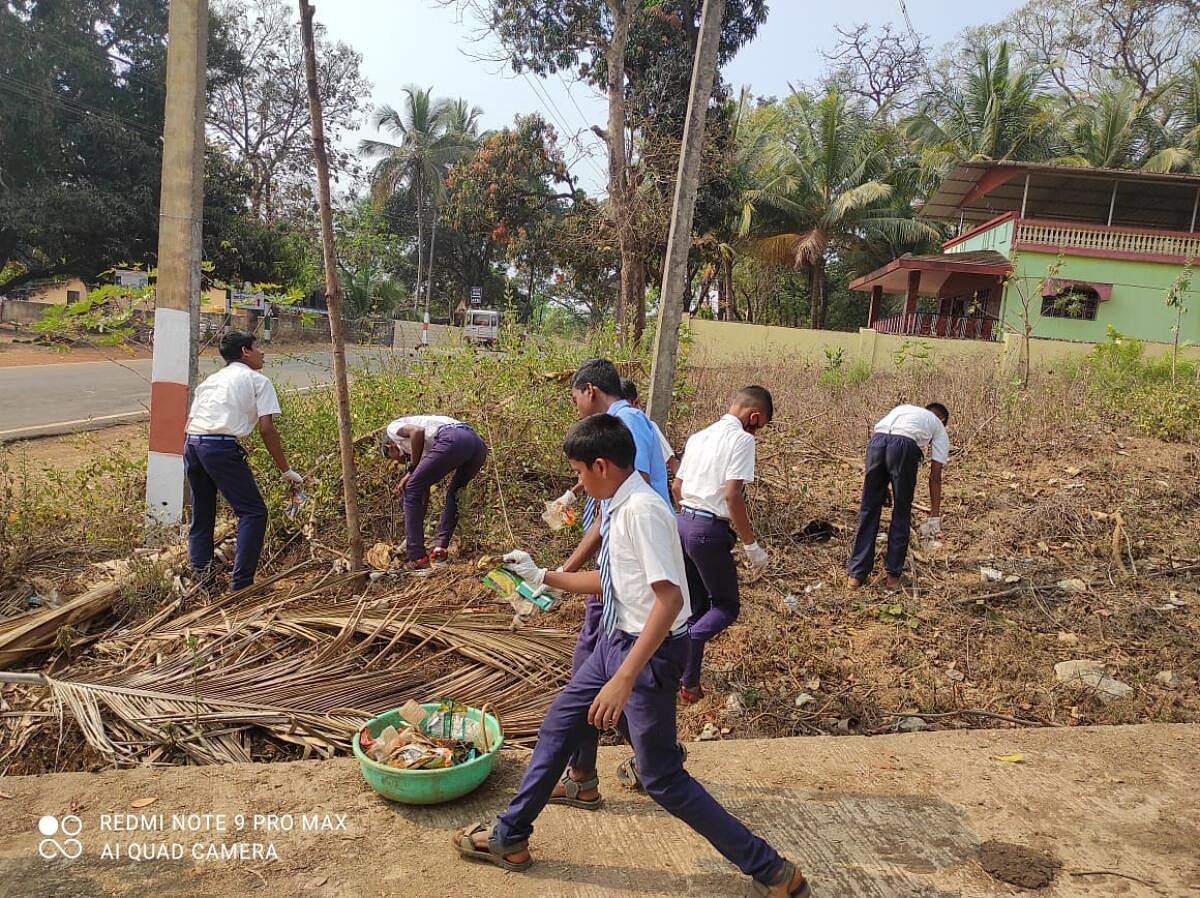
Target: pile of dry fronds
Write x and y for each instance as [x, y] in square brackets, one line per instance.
[303, 659]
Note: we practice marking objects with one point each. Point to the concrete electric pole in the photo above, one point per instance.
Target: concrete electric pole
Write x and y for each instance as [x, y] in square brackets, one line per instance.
[177, 290]
[670, 309]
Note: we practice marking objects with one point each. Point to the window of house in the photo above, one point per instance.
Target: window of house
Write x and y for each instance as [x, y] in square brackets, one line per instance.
[1080, 305]
[72, 296]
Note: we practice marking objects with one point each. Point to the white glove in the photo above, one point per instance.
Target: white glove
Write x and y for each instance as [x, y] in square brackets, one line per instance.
[293, 477]
[523, 565]
[931, 527]
[756, 554]
[567, 499]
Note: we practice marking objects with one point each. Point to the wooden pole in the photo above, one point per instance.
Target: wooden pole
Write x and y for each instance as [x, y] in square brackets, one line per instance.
[333, 295]
[679, 241]
[177, 287]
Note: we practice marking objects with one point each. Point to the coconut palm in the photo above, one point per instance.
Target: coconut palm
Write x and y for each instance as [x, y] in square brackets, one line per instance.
[831, 181]
[999, 111]
[1184, 102]
[1119, 128]
[432, 134]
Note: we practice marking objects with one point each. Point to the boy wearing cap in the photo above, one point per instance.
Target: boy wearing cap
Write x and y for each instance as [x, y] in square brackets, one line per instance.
[434, 446]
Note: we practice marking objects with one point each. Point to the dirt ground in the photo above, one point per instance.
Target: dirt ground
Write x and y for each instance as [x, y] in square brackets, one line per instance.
[70, 451]
[15, 354]
[17, 351]
[1113, 811]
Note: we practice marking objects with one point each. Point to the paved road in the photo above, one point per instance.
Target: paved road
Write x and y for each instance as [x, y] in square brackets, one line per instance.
[882, 817]
[41, 400]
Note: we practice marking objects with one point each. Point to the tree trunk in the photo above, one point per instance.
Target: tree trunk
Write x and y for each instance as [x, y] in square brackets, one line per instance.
[620, 201]
[429, 266]
[420, 248]
[333, 296]
[816, 290]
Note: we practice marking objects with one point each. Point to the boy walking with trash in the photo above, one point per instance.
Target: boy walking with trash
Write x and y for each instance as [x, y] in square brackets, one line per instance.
[227, 406]
[710, 487]
[632, 674]
[596, 389]
[897, 447]
[434, 446]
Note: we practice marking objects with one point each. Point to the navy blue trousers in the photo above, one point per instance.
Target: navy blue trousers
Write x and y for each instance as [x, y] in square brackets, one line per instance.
[220, 466]
[890, 459]
[649, 719]
[712, 583]
[456, 448]
[584, 758]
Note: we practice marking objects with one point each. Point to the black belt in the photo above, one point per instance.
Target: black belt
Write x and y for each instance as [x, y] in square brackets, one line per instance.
[211, 438]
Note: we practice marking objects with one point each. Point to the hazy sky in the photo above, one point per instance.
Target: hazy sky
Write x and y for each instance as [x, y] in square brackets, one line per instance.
[417, 41]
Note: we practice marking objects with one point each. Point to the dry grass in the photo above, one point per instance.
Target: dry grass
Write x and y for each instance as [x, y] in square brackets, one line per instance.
[1036, 487]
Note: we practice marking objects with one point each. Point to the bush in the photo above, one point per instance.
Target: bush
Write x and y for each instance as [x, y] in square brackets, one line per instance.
[1160, 396]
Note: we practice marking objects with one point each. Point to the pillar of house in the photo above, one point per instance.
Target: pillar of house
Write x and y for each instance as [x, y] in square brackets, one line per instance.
[873, 309]
[914, 287]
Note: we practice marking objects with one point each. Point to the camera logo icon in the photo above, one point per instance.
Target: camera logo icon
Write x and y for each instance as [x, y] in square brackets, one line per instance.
[69, 826]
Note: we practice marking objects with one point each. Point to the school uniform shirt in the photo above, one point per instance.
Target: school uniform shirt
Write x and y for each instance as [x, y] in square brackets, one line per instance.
[668, 452]
[921, 426]
[431, 424]
[643, 549]
[720, 452]
[231, 401]
[649, 457]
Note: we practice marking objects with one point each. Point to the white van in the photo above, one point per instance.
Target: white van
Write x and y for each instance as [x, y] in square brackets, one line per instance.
[482, 326]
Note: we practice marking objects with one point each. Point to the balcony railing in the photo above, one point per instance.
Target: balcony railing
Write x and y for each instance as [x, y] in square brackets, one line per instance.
[1174, 245]
[931, 324]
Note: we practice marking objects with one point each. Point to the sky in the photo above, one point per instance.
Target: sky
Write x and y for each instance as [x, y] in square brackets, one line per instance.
[421, 42]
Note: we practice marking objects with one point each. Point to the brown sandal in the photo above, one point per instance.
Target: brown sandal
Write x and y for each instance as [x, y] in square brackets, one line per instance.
[783, 877]
[464, 842]
[627, 774]
[573, 788]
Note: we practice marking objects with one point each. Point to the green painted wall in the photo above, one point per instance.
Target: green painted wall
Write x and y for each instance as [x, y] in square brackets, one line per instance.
[1137, 308]
[998, 238]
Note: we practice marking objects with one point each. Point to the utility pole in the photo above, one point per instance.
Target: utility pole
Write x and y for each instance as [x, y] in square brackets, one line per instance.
[177, 289]
[670, 308]
[333, 293]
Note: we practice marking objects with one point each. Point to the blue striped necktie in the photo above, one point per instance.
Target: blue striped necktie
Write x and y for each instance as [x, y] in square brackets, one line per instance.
[589, 513]
[608, 594]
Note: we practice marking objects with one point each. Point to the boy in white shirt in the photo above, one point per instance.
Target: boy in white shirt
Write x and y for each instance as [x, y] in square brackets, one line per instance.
[894, 453]
[633, 673]
[710, 487]
[226, 406]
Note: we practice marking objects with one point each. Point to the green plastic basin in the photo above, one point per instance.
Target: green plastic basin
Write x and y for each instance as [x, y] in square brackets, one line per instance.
[427, 786]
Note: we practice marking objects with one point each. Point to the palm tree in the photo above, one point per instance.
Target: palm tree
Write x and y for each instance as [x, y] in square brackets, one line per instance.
[432, 134]
[1118, 128]
[1184, 102]
[999, 111]
[830, 182]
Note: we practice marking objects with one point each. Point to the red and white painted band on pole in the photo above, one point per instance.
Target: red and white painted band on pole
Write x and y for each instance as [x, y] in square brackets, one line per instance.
[177, 288]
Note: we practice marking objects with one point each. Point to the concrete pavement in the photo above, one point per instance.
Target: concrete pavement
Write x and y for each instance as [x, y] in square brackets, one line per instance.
[1116, 808]
[43, 400]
